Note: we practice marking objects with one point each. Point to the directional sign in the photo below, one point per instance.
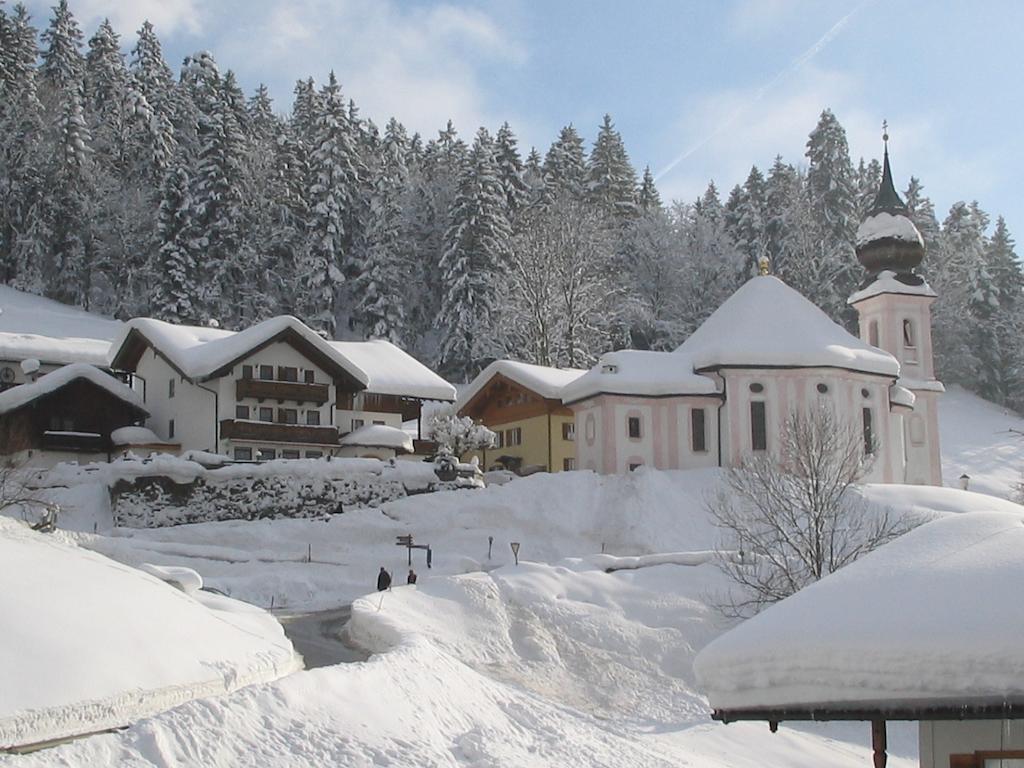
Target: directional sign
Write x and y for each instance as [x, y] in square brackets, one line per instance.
[404, 541]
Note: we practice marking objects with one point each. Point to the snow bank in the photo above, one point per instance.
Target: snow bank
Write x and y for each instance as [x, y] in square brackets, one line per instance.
[755, 326]
[47, 350]
[91, 644]
[933, 617]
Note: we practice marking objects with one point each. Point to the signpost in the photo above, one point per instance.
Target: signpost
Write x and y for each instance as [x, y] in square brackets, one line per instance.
[490, 543]
[515, 550]
[406, 541]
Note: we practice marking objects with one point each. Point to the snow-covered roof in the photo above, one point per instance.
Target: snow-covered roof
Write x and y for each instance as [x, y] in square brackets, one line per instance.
[901, 396]
[637, 372]
[136, 436]
[933, 618]
[886, 282]
[200, 352]
[21, 395]
[48, 349]
[379, 436]
[91, 644]
[392, 371]
[545, 381]
[767, 323]
[883, 225]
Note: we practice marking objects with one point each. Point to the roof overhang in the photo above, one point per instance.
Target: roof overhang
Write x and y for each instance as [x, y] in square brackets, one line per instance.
[965, 709]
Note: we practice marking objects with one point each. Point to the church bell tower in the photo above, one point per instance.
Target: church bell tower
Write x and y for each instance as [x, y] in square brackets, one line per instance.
[894, 308]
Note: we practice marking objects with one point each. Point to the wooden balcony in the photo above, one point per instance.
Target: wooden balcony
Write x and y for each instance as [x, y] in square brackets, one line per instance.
[271, 432]
[85, 442]
[263, 389]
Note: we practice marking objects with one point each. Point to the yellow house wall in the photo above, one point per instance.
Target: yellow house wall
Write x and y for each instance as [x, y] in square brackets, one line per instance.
[534, 448]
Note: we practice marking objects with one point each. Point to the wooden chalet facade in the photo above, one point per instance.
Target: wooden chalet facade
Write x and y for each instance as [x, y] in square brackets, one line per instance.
[522, 404]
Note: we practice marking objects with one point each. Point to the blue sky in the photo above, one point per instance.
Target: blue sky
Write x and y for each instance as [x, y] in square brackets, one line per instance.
[715, 86]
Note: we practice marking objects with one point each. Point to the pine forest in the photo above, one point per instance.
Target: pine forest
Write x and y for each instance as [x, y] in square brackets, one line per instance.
[130, 190]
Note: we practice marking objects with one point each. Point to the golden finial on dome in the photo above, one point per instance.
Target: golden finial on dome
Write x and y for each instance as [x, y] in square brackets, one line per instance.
[764, 265]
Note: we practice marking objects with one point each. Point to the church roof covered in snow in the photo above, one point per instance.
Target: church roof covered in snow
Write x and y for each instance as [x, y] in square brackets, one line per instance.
[23, 394]
[640, 373]
[392, 371]
[768, 324]
[201, 353]
[931, 620]
[545, 381]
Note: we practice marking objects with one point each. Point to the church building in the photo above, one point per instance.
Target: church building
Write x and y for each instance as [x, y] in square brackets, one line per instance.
[767, 352]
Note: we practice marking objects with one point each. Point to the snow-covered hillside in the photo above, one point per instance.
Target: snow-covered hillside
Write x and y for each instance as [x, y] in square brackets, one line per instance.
[22, 312]
[982, 440]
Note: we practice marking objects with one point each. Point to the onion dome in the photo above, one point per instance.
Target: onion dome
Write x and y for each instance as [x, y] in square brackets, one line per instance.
[887, 239]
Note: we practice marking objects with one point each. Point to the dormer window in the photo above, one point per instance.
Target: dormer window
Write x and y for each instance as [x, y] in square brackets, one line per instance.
[609, 368]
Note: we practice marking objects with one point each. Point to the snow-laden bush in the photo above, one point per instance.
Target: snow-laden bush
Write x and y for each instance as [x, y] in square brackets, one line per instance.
[459, 435]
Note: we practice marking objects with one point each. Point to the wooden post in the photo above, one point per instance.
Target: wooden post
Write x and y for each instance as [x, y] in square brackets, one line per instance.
[878, 742]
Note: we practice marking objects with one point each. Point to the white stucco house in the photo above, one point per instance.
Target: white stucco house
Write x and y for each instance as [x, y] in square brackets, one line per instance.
[274, 390]
[926, 628]
[766, 352]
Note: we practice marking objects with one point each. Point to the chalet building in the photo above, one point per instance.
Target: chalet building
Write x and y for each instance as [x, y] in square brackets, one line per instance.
[44, 422]
[274, 390]
[924, 629]
[522, 404]
[767, 352]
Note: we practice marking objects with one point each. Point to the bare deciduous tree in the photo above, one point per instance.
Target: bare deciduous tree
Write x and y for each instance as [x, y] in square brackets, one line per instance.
[789, 518]
[17, 493]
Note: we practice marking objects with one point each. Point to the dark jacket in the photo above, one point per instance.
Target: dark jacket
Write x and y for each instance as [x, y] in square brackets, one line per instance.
[383, 580]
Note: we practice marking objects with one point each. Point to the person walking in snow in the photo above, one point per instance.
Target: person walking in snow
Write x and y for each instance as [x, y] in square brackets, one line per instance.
[383, 580]
[412, 577]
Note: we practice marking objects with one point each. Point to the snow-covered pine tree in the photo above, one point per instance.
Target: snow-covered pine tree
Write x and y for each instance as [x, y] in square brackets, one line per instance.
[611, 179]
[922, 213]
[62, 62]
[510, 169]
[334, 180]
[1000, 340]
[152, 98]
[745, 216]
[565, 168]
[647, 199]
[21, 155]
[176, 276]
[868, 176]
[382, 285]
[833, 199]
[782, 187]
[475, 257]
[533, 177]
[433, 182]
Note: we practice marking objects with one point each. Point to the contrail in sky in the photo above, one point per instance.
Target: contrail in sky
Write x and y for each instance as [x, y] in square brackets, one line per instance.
[796, 65]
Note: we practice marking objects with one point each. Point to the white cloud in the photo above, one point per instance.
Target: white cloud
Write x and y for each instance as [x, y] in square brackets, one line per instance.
[422, 65]
[168, 16]
[780, 122]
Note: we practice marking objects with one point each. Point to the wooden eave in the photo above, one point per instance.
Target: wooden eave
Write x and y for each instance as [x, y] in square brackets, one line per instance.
[480, 405]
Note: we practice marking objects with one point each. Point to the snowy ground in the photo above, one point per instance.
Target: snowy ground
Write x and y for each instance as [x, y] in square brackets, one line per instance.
[553, 662]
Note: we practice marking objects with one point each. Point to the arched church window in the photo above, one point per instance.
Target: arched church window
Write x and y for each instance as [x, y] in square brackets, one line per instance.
[873, 333]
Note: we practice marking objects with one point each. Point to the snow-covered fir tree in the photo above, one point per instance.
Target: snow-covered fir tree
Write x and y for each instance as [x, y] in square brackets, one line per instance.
[611, 180]
[475, 257]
